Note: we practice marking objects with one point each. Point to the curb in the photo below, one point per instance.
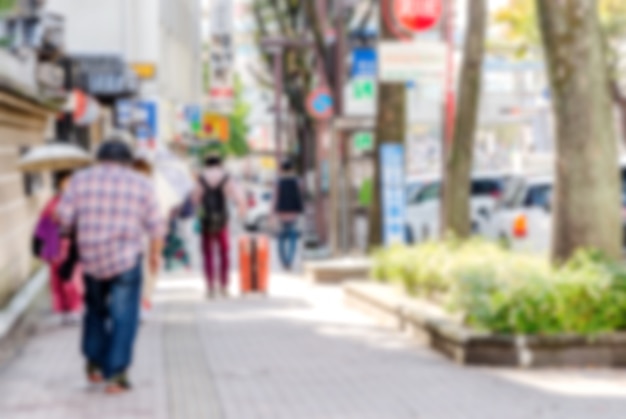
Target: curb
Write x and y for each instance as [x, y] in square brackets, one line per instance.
[446, 335]
[18, 320]
[335, 271]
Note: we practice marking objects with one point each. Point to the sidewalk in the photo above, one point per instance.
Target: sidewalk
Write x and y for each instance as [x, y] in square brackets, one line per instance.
[296, 355]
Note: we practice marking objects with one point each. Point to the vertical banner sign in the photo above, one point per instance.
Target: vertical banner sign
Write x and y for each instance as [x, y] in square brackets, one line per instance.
[148, 129]
[392, 193]
[222, 62]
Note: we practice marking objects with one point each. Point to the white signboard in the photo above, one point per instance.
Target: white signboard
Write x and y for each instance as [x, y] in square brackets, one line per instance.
[411, 61]
[360, 97]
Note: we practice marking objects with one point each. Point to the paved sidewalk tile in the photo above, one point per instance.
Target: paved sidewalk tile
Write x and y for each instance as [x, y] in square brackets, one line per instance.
[297, 355]
[303, 355]
[47, 381]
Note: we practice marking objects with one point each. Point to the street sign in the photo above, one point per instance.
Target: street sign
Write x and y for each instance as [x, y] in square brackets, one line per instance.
[360, 97]
[145, 71]
[413, 61]
[193, 115]
[363, 62]
[216, 126]
[417, 15]
[147, 131]
[392, 193]
[364, 89]
[360, 92]
[320, 103]
[363, 141]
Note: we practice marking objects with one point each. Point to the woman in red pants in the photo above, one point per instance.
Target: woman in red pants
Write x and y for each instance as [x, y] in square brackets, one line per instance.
[215, 189]
[65, 284]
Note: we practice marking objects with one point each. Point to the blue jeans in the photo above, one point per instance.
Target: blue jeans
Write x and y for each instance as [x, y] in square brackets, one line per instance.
[111, 320]
[288, 244]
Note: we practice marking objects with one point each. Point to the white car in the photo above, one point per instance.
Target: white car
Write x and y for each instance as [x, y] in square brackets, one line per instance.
[424, 205]
[523, 219]
[259, 200]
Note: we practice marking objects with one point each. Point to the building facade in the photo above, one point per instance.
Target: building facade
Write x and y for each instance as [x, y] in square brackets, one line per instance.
[30, 97]
[158, 39]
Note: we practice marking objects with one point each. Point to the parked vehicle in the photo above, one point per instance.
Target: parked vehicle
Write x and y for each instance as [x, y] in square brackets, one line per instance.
[424, 204]
[523, 218]
[259, 201]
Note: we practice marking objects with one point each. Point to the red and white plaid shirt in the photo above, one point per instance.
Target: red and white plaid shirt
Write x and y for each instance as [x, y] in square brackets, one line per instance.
[111, 209]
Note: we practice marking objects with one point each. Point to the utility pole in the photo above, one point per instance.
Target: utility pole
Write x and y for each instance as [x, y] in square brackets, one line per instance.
[278, 95]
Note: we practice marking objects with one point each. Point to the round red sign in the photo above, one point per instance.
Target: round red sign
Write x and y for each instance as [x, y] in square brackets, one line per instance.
[417, 15]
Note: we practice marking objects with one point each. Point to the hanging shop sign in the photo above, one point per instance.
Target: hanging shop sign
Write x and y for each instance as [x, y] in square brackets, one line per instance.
[147, 130]
[417, 15]
[404, 18]
[145, 71]
[85, 109]
[363, 141]
[221, 58]
[193, 116]
[413, 61]
[215, 126]
[320, 103]
[104, 76]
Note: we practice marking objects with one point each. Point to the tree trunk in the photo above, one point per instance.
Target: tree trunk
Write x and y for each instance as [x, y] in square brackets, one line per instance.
[458, 168]
[587, 193]
[621, 108]
[390, 128]
[620, 102]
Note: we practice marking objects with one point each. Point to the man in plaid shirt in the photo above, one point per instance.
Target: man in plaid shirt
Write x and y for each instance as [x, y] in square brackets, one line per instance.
[110, 209]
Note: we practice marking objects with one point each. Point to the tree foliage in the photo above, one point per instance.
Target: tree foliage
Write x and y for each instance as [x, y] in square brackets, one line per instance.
[299, 20]
[519, 20]
[239, 128]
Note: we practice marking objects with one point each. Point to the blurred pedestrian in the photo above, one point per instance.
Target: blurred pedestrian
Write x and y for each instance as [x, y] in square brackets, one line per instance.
[214, 190]
[288, 208]
[142, 166]
[65, 274]
[111, 208]
[175, 252]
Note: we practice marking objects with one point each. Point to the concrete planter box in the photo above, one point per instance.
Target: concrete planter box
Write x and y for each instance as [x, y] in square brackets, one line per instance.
[437, 329]
[337, 270]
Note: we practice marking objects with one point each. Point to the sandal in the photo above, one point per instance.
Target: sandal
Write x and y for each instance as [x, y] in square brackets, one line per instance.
[118, 385]
[94, 375]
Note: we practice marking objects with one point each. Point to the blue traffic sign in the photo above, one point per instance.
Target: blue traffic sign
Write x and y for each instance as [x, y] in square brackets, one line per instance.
[320, 103]
[364, 62]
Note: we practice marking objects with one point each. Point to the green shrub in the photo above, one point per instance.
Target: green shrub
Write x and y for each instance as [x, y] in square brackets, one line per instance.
[511, 293]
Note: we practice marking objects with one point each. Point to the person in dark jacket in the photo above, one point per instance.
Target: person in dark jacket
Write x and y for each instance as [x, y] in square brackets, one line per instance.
[288, 207]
